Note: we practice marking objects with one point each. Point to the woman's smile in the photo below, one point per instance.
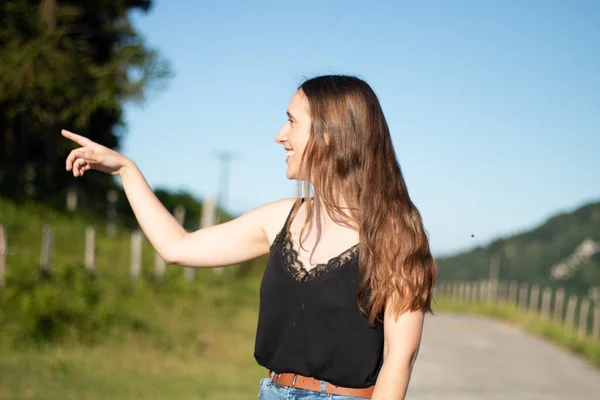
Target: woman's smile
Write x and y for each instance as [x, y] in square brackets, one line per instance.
[288, 155]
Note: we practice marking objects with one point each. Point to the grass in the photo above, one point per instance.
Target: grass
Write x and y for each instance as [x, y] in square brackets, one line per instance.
[532, 323]
[199, 347]
[223, 368]
[73, 337]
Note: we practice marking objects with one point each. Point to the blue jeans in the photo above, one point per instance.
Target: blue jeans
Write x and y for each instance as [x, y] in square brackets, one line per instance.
[270, 391]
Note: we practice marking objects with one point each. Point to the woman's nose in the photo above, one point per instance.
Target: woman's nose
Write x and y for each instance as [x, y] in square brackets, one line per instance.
[280, 137]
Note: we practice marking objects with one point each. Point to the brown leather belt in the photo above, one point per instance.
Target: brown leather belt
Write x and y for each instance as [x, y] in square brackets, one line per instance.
[307, 383]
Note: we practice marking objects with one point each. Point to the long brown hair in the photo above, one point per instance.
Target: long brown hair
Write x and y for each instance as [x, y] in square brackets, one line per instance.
[350, 155]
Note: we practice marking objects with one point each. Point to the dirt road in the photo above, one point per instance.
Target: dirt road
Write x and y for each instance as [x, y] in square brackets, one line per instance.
[468, 357]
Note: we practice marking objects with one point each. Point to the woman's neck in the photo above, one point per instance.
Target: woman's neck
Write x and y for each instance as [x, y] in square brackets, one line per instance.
[326, 216]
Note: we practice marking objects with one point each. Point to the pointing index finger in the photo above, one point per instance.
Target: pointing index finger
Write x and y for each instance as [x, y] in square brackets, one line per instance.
[83, 141]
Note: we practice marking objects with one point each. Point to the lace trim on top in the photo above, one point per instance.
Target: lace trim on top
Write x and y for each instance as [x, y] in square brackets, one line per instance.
[297, 270]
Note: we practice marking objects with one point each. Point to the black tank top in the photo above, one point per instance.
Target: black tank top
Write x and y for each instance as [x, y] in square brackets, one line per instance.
[309, 322]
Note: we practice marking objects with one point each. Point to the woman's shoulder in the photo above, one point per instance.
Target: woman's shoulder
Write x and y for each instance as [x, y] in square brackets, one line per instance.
[281, 206]
[274, 215]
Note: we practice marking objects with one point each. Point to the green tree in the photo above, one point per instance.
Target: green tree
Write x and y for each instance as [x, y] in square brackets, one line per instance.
[67, 64]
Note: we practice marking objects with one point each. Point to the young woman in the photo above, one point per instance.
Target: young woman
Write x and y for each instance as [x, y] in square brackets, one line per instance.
[349, 276]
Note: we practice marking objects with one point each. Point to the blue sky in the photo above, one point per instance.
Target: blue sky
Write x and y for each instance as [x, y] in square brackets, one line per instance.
[493, 106]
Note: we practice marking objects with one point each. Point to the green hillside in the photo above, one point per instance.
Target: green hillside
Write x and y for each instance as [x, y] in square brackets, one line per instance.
[562, 252]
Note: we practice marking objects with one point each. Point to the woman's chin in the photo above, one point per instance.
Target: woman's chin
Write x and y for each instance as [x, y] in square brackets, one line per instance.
[291, 175]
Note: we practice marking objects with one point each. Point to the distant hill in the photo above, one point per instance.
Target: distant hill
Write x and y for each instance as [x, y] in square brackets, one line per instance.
[564, 251]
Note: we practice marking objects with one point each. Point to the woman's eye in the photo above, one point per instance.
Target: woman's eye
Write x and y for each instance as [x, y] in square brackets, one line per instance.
[290, 121]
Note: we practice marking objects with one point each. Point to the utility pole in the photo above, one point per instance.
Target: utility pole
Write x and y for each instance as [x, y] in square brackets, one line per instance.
[225, 158]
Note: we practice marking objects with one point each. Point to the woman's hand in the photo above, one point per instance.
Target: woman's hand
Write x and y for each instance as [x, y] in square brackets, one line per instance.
[92, 155]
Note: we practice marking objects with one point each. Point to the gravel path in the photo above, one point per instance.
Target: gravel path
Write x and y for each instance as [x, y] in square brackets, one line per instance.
[469, 357]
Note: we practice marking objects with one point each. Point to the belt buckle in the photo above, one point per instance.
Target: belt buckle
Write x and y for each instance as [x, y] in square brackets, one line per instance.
[277, 380]
[279, 376]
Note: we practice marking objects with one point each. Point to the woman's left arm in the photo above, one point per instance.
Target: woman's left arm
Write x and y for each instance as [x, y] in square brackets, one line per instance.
[402, 338]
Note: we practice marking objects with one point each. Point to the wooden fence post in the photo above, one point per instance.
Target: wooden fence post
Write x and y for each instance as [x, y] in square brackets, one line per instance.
[179, 213]
[493, 291]
[473, 298]
[559, 304]
[534, 298]
[546, 300]
[584, 311]
[136, 254]
[513, 291]
[454, 291]
[470, 295]
[570, 317]
[502, 292]
[90, 250]
[189, 273]
[484, 292]
[45, 258]
[111, 212]
[462, 292]
[596, 323]
[476, 293]
[523, 291]
[159, 266]
[71, 199]
[467, 292]
[3, 252]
